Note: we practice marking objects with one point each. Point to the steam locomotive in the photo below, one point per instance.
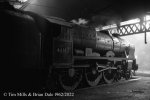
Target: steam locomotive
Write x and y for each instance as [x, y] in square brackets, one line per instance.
[82, 52]
[40, 50]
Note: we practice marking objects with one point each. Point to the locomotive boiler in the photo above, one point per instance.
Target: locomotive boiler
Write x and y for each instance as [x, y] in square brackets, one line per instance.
[46, 50]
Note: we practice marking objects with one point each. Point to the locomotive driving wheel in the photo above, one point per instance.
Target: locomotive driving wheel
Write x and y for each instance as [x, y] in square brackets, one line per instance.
[70, 78]
[109, 74]
[92, 76]
[118, 73]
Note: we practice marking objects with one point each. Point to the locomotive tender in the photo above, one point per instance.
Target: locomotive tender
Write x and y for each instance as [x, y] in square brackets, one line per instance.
[43, 48]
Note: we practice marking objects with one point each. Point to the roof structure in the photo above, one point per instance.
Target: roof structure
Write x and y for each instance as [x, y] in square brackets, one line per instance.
[102, 11]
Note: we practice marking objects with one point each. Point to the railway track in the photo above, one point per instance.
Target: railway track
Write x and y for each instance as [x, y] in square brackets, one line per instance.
[101, 84]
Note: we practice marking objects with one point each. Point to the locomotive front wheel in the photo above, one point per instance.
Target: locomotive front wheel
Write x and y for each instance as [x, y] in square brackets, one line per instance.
[108, 76]
[128, 74]
[70, 78]
[92, 76]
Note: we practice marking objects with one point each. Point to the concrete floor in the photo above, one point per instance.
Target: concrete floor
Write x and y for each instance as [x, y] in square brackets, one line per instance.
[134, 89]
[137, 88]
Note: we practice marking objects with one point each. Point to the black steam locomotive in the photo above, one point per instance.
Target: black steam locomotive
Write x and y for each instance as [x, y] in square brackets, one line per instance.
[40, 50]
